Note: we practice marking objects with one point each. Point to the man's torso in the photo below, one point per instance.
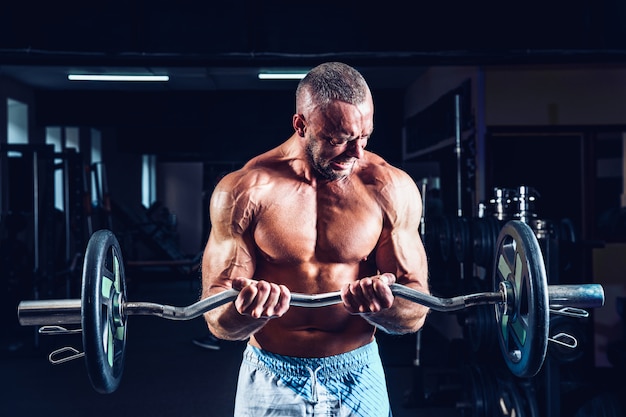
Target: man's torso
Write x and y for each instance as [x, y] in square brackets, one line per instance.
[315, 239]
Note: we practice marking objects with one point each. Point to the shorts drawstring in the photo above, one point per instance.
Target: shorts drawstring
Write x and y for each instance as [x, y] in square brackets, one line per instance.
[313, 373]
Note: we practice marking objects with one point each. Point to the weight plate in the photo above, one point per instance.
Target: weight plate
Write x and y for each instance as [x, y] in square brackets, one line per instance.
[523, 321]
[478, 388]
[487, 393]
[482, 241]
[567, 231]
[462, 240]
[104, 326]
[432, 241]
[444, 230]
[479, 329]
[515, 400]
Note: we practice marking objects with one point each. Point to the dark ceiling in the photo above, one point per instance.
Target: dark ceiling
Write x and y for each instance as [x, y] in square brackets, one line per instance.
[213, 51]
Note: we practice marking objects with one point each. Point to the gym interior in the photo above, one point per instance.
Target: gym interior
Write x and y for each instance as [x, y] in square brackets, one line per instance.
[499, 118]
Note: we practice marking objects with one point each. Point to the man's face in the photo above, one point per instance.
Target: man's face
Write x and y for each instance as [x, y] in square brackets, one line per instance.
[336, 137]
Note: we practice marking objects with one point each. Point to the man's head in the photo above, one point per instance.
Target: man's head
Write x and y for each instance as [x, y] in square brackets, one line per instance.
[335, 115]
[329, 82]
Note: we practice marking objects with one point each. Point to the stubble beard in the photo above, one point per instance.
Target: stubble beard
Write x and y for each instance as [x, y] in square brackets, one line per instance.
[321, 166]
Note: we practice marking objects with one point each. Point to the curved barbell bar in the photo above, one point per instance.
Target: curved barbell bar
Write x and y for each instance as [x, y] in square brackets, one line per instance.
[57, 312]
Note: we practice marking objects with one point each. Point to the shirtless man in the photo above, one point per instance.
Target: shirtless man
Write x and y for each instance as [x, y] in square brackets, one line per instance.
[316, 214]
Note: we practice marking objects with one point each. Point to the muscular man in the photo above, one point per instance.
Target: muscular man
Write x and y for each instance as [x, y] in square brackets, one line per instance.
[316, 214]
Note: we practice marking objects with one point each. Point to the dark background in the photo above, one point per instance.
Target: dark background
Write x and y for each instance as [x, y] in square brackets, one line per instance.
[218, 115]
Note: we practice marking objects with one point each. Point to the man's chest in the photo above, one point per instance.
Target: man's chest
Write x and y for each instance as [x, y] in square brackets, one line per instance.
[310, 227]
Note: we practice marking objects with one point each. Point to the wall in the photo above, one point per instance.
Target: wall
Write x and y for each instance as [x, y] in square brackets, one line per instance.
[179, 187]
[435, 82]
[566, 95]
[563, 95]
[532, 95]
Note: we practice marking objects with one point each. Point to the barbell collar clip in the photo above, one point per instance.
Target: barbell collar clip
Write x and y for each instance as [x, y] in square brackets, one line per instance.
[60, 356]
[578, 313]
[564, 339]
[57, 330]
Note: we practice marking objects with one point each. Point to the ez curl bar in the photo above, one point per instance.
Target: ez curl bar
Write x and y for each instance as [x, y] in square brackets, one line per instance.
[522, 300]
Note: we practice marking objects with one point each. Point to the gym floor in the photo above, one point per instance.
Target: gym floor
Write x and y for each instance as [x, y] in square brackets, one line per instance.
[164, 373]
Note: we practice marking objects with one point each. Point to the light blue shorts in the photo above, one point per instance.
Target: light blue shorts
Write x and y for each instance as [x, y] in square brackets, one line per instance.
[350, 384]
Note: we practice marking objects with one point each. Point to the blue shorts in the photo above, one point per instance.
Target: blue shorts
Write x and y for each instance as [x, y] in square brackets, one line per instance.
[350, 384]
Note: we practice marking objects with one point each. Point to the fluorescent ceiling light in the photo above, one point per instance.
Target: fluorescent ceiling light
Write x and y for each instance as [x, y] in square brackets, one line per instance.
[281, 75]
[101, 77]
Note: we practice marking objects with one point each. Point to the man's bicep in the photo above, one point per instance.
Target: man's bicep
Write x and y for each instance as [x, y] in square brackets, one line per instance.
[229, 251]
[401, 250]
[226, 256]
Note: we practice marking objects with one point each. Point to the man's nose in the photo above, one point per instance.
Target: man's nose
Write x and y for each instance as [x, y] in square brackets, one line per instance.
[355, 148]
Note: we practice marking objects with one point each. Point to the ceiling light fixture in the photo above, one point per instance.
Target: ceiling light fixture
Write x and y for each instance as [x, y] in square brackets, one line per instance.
[282, 75]
[102, 77]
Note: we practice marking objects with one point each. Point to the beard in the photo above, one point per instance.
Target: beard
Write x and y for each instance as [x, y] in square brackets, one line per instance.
[321, 165]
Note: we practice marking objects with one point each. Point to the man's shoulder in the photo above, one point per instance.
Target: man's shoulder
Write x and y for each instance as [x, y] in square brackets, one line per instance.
[260, 171]
[248, 177]
[379, 171]
[389, 183]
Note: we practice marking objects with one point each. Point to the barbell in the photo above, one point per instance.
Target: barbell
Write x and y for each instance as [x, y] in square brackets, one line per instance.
[522, 298]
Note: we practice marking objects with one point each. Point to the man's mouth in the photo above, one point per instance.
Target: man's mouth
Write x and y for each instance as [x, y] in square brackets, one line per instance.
[343, 164]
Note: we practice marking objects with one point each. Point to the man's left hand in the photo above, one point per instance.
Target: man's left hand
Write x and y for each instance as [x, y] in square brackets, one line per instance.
[368, 295]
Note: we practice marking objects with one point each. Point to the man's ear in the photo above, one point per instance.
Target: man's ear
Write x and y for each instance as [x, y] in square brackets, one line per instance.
[299, 124]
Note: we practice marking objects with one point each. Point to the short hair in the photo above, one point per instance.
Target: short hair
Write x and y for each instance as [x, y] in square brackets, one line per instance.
[329, 82]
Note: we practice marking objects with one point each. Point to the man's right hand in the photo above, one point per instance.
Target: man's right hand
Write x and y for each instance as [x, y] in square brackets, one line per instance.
[261, 299]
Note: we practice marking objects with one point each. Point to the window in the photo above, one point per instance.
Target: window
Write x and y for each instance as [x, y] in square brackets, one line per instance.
[53, 137]
[148, 180]
[17, 129]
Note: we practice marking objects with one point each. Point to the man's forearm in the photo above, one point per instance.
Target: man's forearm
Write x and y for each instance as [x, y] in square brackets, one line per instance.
[403, 317]
[226, 323]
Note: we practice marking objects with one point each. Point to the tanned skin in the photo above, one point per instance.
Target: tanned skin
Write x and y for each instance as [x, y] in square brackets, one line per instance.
[310, 217]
